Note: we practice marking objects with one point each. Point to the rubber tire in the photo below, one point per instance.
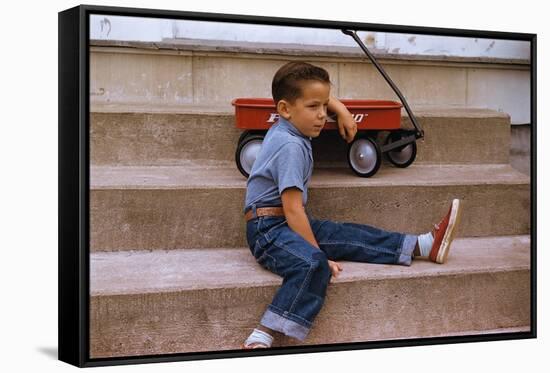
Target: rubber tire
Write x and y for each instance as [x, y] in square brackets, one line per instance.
[396, 136]
[378, 153]
[243, 141]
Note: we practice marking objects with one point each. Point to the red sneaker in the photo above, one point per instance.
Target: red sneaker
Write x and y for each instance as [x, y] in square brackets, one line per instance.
[444, 233]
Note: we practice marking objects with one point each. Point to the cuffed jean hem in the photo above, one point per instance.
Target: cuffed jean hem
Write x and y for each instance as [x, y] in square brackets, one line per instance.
[407, 249]
[281, 324]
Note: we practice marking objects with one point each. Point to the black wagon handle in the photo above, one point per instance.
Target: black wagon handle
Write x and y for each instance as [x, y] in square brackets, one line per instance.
[419, 130]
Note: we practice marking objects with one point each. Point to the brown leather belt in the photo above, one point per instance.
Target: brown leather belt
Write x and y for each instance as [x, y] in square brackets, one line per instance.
[265, 211]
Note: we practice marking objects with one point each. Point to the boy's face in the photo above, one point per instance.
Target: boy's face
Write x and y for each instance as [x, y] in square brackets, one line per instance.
[308, 113]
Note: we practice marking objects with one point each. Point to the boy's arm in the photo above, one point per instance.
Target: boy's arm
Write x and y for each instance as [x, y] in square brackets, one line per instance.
[295, 214]
[297, 220]
[346, 124]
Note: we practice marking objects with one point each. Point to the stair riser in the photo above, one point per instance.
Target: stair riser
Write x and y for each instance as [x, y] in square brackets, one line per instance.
[177, 218]
[221, 319]
[150, 76]
[170, 139]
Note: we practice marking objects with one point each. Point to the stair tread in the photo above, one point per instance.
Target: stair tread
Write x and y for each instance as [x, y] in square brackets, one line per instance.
[220, 174]
[419, 110]
[138, 272]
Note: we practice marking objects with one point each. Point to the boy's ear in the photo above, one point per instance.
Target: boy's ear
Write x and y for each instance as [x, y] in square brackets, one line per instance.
[283, 109]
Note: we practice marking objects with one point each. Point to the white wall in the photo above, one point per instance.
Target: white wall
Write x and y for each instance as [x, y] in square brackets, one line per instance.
[150, 29]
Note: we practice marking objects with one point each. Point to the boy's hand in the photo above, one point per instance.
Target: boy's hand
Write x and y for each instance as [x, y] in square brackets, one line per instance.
[335, 268]
[347, 126]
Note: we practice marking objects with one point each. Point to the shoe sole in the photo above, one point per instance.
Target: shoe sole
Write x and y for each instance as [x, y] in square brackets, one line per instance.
[454, 220]
[243, 347]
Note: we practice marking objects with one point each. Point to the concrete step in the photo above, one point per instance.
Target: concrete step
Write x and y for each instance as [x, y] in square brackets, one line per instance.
[176, 301]
[131, 135]
[200, 205]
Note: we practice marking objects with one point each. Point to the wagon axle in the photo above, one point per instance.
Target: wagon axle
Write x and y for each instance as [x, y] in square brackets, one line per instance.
[364, 154]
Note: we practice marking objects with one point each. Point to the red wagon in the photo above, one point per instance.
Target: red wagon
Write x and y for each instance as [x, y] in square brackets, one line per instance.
[256, 115]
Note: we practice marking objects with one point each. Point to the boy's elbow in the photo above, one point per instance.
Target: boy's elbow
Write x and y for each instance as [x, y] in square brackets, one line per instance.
[293, 211]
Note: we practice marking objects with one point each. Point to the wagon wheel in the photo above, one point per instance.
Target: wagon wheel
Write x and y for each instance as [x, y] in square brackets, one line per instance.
[403, 156]
[364, 156]
[247, 151]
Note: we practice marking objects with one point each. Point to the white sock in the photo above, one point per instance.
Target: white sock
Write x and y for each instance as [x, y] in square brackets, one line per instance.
[425, 242]
[259, 336]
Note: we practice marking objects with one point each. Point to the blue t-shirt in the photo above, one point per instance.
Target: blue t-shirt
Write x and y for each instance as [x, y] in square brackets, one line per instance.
[285, 160]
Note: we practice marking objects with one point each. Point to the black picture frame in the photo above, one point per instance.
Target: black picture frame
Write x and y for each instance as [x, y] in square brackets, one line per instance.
[74, 183]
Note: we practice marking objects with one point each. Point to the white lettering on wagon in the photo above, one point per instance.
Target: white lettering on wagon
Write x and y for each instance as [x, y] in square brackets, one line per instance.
[358, 118]
[273, 117]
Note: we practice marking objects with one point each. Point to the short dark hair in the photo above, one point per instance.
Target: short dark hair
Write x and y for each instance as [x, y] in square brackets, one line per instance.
[286, 82]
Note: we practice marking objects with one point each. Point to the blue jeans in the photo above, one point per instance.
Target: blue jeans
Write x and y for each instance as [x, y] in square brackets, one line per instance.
[305, 269]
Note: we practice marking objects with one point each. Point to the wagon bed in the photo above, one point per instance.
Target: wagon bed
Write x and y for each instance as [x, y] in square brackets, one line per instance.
[260, 114]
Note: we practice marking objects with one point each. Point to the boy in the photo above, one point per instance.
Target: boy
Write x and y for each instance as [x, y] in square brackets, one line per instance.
[284, 239]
